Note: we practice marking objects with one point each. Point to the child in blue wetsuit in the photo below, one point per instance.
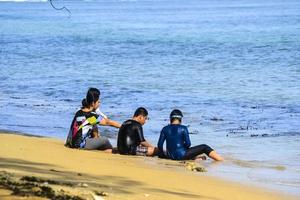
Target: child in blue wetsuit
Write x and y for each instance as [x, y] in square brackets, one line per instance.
[178, 141]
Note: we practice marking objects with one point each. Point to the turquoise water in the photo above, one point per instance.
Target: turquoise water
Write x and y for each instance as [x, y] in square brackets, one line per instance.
[232, 67]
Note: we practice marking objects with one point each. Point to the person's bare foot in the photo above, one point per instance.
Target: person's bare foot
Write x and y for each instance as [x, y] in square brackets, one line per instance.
[108, 150]
[215, 156]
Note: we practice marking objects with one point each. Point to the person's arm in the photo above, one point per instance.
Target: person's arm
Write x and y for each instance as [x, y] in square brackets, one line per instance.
[140, 133]
[187, 141]
[109, 122]
[161, 141]
[105, 121]
[95, 132]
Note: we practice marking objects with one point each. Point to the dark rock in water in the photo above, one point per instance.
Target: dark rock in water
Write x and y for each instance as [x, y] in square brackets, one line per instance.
[194, 132]
[290, 133]
[216, 119]
[13, 97]
[67, 100]
[41, 105]
[237, 131]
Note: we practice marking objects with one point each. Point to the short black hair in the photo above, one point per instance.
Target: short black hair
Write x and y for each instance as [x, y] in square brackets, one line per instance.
[176, 115]
[141, 111]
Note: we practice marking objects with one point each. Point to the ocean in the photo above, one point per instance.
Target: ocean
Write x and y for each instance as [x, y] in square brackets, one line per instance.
[232, 67]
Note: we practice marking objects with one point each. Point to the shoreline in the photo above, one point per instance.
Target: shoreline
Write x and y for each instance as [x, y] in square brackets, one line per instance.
[111, 176]
[4, 131]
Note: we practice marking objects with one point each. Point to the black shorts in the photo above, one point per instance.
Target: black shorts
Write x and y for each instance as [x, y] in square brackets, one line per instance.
[192, 152]
[141, 151]
[137, 150]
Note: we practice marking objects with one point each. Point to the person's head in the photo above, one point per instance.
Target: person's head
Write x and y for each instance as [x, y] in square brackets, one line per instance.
[141, 115]
[92, 99]
[176, 115]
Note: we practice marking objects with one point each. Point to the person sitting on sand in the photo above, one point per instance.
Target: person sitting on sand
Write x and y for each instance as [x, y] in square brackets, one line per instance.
[131, 139]
[178, 141]
[84, 131]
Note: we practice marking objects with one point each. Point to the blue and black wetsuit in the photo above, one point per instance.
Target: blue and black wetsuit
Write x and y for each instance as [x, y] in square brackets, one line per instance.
[178, 143]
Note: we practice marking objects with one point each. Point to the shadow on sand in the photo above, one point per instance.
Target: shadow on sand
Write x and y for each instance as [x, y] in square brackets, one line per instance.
[110, 184]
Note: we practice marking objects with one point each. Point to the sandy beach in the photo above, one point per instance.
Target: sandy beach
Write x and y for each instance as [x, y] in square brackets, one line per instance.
[36, 166]
[231, 67]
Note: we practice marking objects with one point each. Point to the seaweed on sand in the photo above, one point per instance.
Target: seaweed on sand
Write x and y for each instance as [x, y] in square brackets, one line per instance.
[31, 186]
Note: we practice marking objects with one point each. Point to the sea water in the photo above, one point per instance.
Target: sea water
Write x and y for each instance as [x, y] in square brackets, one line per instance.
[232, 67]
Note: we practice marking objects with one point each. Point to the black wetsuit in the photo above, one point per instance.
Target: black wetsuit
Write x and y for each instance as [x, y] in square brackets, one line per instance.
[178, 143]
[130, 136]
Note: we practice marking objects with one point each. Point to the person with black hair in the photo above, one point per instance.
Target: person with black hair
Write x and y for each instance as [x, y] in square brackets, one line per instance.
[178, 141]
[131, 139]
[84, 131]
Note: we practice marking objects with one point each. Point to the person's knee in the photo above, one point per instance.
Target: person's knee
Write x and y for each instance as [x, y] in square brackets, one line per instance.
[105, 140]
[207, 149]
[105, 143]
[108, 144]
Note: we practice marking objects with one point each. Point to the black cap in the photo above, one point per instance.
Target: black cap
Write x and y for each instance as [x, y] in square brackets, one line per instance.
[176, 114]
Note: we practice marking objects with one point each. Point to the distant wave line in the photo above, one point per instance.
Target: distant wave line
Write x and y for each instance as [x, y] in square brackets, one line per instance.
[67, 0]
[23, 0]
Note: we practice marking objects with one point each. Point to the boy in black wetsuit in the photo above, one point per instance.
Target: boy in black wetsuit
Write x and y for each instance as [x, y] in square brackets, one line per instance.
[178, 141]
[131, 139]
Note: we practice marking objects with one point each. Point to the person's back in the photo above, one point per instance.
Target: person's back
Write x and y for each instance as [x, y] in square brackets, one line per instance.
[83, 131]
[130, 136]
[177, 140]
[79, 135]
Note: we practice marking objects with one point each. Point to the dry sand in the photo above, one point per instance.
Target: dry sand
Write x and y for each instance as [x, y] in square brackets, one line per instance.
[86, 173]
